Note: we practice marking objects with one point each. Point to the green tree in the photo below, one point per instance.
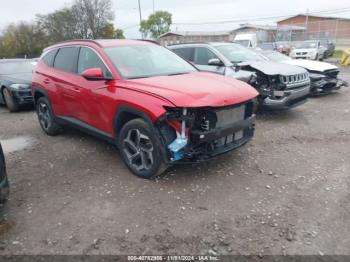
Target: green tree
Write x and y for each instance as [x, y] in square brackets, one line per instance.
[20, 40]
[110, 32]
[84, 19]
[92, 17]
[156, 24]
[58, 26]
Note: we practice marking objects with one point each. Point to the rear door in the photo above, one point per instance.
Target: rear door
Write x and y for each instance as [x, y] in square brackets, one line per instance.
[65, 79]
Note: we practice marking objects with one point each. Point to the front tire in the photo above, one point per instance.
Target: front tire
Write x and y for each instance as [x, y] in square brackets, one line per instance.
[140, 149]
[46, 117]
[10, 102]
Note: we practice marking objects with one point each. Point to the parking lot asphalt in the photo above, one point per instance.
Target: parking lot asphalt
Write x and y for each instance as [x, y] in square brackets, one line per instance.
[286, 192]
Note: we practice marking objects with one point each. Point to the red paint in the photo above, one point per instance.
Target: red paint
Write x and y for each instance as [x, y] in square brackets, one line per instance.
[93, 73]
[96, 102]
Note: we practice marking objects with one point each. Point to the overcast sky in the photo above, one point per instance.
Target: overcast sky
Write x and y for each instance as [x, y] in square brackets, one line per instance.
[184, 11]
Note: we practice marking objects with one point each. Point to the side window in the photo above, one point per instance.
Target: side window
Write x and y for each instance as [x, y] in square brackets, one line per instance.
[89, 59]
[49, 57]
[203, 55]
[185, 53]
[67, 59]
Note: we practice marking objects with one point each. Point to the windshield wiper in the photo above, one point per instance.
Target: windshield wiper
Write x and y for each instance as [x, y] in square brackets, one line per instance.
[138, 77]
[180, 73]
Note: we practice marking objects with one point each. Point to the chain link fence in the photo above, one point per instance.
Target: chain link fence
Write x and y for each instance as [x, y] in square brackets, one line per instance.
[336, 30]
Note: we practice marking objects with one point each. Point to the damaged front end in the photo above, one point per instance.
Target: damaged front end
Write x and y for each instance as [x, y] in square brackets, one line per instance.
[280, 92]
[325, 82]
[198, 134]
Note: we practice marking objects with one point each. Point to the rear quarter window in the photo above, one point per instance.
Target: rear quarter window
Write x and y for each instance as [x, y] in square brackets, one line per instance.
[67, 59]
[49, 57]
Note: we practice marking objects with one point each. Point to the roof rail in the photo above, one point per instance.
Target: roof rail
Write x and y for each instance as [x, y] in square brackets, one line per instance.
[79, 40]
[148, 40]
[189, 43]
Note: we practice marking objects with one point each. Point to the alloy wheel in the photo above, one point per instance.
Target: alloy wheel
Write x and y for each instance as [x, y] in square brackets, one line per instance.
[138, 149]
[44, 115]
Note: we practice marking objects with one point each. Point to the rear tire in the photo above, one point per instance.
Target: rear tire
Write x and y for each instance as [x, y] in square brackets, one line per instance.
[10, 102]
[46, 117]
[140, 149]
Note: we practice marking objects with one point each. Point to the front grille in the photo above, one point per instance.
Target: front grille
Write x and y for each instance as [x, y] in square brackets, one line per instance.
[301, 53]
[295, 81]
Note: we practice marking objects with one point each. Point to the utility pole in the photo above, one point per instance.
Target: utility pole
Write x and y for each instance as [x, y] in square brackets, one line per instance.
[307, 22]
[140, 16]
[153, 6]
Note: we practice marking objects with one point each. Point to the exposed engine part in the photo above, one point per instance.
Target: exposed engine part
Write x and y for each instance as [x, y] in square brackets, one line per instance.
[181, 141]
[196, 134]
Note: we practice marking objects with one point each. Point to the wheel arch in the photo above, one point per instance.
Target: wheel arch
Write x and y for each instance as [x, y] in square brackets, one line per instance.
[126, 113]
[39, 93]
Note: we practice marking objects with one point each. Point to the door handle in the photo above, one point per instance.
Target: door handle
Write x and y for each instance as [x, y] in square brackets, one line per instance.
[76, 89]
[46, 81]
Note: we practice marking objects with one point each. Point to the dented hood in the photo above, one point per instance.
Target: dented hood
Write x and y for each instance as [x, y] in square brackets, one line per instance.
[274, 68]
[311, 65]
[196, 89]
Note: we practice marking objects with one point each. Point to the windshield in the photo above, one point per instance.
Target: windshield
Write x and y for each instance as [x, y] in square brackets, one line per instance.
[146, 61]
[243, 42]
[307, 45]
[237, 53]
[276, 57]
[16, 67]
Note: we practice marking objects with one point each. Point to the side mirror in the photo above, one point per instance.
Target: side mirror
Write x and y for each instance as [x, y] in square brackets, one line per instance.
[94, 74]
[215, 62]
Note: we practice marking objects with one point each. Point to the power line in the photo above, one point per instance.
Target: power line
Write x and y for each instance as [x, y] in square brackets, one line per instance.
[245, 19]
[252, 18]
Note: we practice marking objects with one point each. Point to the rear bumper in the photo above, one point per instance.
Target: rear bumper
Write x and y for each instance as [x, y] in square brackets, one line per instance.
[291, 98]
[207, 145]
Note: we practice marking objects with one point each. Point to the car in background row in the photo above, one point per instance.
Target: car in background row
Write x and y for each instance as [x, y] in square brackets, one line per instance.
[330, 47]
[249, 40]
[280, 86]
[268, 46]
[312, 50]
[323, 76]
[15, 80]
[207, 61]
[156, 107]
[283, 47]
[4, 183]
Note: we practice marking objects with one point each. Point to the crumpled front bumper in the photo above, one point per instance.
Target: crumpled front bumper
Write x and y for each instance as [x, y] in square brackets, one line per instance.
[290, 98]
[207, 145]
[326, 86]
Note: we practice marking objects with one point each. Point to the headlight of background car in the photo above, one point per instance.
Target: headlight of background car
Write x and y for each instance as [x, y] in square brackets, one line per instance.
[312, 53]
[19, 86]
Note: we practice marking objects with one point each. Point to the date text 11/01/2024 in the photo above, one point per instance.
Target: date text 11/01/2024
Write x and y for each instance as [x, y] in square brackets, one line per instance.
[173, 258]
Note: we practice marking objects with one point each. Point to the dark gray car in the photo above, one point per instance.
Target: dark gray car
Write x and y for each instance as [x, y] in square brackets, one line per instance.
[15, 82]
[280, 86]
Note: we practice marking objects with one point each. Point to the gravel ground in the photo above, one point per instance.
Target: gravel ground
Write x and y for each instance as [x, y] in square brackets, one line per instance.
[286, 192]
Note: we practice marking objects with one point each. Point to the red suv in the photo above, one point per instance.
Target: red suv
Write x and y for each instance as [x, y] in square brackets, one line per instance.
[156, 107]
